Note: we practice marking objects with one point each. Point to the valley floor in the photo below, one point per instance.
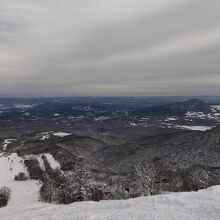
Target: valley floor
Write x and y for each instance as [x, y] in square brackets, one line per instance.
[24, 204]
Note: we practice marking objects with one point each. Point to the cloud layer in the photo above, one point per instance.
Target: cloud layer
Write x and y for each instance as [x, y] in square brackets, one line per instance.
[109, 47]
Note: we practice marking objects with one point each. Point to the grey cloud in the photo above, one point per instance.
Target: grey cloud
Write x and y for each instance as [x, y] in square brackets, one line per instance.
[112, 48]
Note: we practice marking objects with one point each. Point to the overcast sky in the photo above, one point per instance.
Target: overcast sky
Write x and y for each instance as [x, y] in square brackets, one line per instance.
[109, 47]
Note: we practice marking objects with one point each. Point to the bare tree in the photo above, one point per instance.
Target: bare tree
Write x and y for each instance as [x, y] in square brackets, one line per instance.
[148, 178]
[194, 178]
[48, 191]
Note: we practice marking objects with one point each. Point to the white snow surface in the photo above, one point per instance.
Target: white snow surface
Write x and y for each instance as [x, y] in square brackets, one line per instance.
[23, 193]
[61, 134]
[24, 204]
[194, 128]
[41, 162]
[54, 164]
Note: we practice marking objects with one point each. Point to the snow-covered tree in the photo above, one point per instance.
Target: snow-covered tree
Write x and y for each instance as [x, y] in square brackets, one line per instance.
[68, 186]
[4, 196]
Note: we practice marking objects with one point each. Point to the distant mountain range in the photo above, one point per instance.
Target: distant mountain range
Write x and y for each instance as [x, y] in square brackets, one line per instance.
[174, 109]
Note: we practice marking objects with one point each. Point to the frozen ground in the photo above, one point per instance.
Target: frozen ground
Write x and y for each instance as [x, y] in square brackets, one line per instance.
[24, 204]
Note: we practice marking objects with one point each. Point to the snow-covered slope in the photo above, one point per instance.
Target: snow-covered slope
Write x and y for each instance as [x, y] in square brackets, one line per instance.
[54, 164]
[23, 192]
[24, 204]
